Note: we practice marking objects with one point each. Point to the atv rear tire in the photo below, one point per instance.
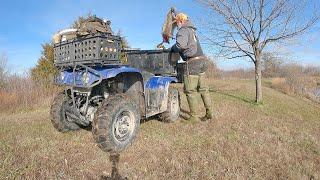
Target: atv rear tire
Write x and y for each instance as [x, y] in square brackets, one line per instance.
[116, 123]
[58, 115]
[173, 107]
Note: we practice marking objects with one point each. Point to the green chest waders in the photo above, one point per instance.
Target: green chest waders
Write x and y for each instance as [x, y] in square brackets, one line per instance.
[192, 85]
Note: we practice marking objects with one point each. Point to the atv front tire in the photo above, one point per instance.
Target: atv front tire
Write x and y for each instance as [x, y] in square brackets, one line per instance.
[58, 115]
[173, 107]
[116, 123]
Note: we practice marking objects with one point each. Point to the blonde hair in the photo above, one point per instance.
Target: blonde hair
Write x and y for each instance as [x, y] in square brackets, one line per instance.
[181, 17]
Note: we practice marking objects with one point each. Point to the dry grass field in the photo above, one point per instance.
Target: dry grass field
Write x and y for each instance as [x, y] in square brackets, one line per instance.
[279, 139]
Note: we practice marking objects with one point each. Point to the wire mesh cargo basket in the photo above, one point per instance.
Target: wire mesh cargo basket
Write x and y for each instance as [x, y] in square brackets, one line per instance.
[158, 62]
[90, 49]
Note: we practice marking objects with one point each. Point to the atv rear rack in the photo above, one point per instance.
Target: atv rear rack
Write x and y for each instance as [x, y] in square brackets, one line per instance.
[158, 62]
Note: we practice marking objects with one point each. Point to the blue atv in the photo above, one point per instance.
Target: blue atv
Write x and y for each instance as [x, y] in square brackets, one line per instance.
[110, 95]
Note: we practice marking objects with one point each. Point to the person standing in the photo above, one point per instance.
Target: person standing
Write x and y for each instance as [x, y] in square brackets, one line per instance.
[188, 46]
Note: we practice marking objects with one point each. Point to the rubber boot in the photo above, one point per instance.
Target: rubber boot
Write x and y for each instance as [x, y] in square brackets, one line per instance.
[192, 101]
[190, 87]
[206, 97]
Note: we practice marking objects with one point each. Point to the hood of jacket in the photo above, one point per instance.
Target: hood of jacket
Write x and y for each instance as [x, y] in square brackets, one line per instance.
[188, 24]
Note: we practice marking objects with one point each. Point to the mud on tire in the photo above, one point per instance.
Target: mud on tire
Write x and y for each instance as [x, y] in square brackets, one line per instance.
[58, 115]
[116, 123]
[173, 107]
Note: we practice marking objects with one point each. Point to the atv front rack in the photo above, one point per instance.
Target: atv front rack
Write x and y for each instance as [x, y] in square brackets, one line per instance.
[91, 49]
[78, 67]
[73, 111]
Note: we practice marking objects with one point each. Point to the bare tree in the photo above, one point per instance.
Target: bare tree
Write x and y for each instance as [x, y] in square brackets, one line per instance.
[271, 65]
[3, 69]
[244, 28]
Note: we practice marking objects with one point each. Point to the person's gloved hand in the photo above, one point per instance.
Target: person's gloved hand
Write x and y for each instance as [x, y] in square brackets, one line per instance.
[161, 46]
[174, 49]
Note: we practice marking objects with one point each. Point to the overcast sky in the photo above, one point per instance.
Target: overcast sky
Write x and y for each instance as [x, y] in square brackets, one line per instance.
[25, 25]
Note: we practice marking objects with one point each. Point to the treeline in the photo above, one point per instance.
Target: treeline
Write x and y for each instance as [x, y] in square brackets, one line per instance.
[283, 75]
[19, 92]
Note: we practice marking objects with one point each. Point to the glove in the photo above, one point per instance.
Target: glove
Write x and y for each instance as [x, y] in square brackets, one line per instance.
[161, 46]
[174, 49]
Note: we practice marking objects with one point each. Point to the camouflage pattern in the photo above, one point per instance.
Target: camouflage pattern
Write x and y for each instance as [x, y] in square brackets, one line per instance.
[91, 25]
[195, 67]
[94, 25]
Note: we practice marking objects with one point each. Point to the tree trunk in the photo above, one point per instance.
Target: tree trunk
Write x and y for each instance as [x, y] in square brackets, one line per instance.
[258, 78]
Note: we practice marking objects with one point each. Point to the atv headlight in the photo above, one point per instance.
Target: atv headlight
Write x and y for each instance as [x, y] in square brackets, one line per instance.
[62, 76]
[85, 77]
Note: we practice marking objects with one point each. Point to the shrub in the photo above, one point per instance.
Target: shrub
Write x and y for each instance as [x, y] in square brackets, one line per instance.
[22, 93]
[281, 85]
[296, 79]
[213, 71]
[271, 65]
